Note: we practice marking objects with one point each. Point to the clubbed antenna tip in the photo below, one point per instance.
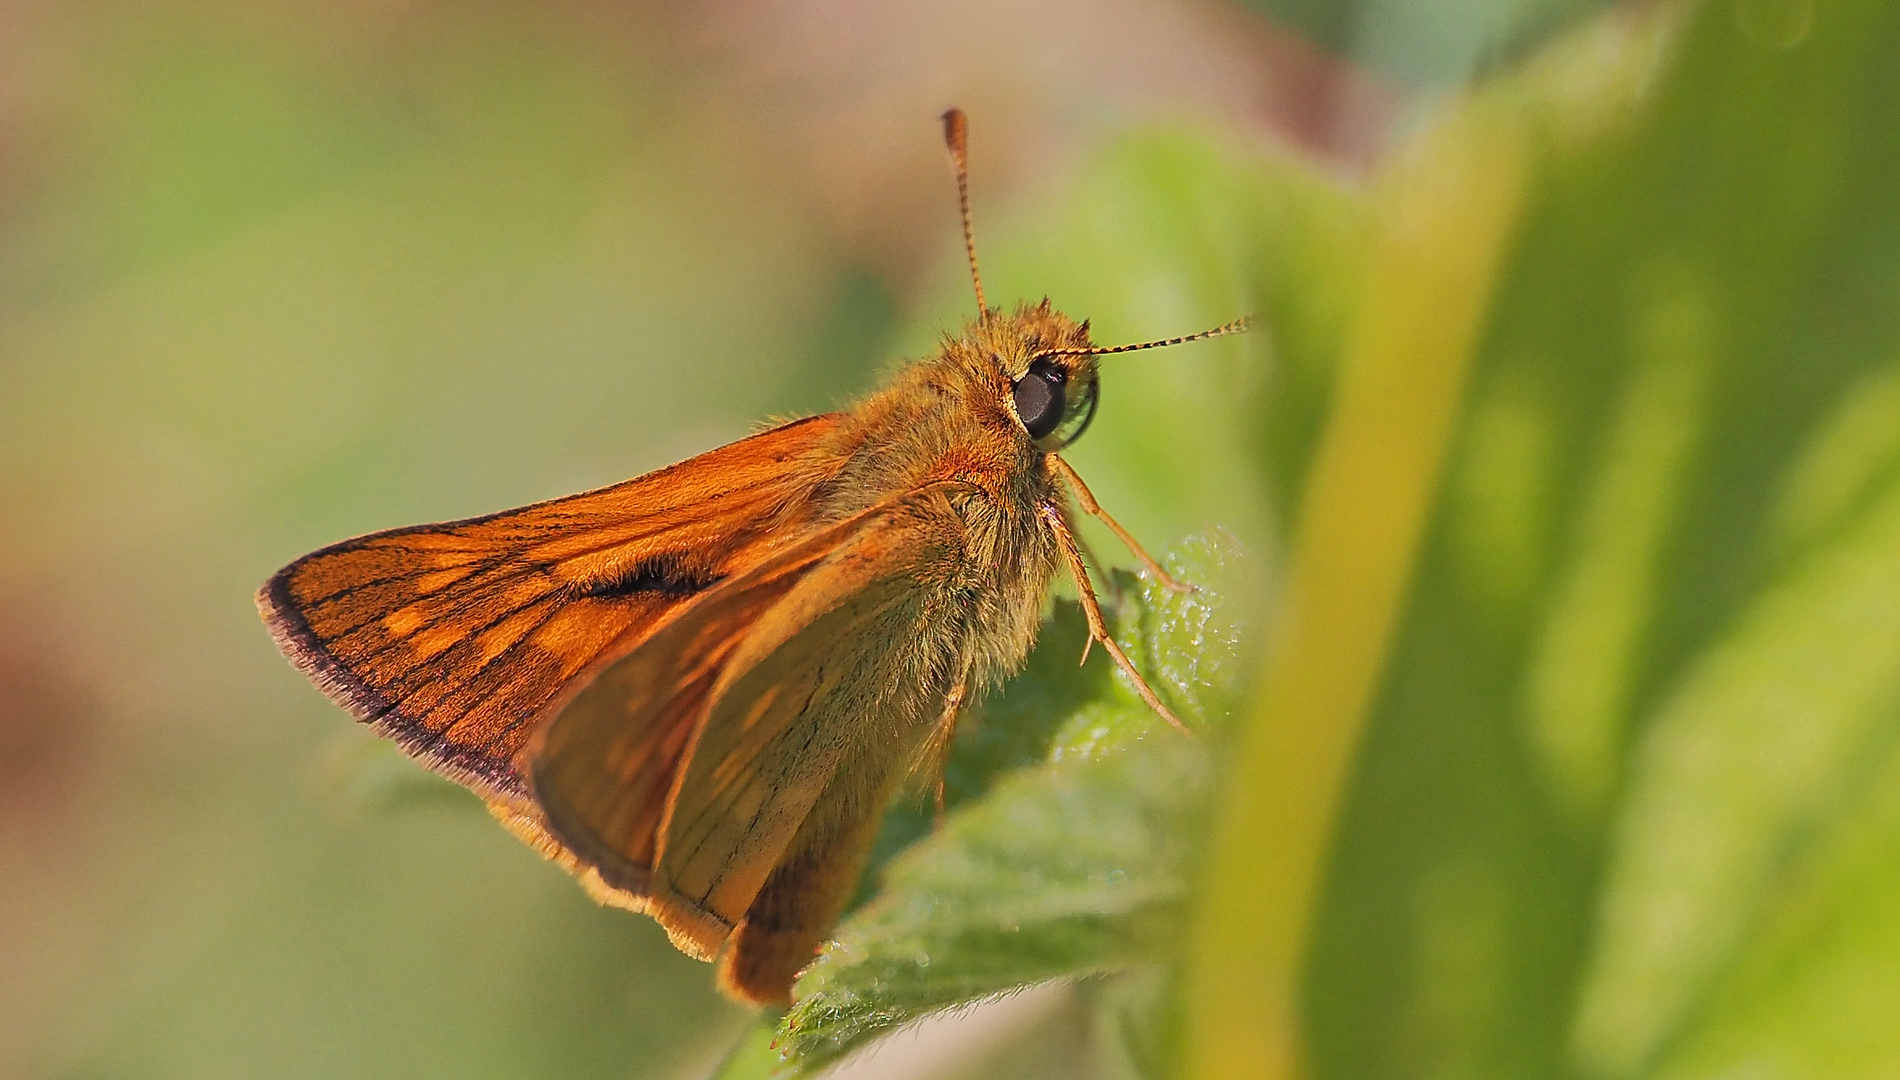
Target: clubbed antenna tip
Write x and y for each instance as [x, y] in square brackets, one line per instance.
[956, 136]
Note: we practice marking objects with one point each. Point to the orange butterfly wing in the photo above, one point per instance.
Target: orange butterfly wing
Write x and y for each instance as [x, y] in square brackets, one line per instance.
[455, 639]
[689, 773]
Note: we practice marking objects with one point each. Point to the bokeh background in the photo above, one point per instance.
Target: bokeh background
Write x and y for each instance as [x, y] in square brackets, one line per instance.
[1616, 290]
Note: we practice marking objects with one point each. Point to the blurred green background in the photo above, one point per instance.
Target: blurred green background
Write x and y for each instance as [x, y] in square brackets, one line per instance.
[1614, 291]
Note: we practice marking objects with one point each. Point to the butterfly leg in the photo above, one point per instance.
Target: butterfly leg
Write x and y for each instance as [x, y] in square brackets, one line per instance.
[1092, 608]
[1101, 572]
[936, 750]
[1108, 582]
[1094, 509]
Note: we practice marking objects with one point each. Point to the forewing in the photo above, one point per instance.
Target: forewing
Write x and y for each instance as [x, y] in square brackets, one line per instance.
[831, 668]
[455, 639]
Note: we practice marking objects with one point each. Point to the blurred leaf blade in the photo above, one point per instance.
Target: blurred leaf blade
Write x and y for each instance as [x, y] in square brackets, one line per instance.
[755, 1056]
[1450, 213]
[1677, 405]
[1581, 669]
[1810, 992]
[1751, 752]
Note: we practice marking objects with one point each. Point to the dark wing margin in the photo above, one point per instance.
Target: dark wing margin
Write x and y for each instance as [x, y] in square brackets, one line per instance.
[454, 639]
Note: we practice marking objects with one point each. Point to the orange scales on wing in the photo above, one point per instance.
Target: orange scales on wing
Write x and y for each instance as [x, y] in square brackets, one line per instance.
[456, 639]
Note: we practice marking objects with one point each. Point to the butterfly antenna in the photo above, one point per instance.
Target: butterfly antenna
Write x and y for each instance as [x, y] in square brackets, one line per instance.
[1239, 326]
[956, 136]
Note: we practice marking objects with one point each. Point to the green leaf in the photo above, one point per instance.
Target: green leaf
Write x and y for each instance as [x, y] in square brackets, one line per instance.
[1753, 754]
[1811, 992]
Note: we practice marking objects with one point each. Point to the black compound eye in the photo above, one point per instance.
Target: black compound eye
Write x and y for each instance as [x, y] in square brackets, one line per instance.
[1040, 398]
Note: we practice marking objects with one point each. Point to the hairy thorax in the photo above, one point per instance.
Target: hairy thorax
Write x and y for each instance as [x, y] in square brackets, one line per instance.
[942, 420]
